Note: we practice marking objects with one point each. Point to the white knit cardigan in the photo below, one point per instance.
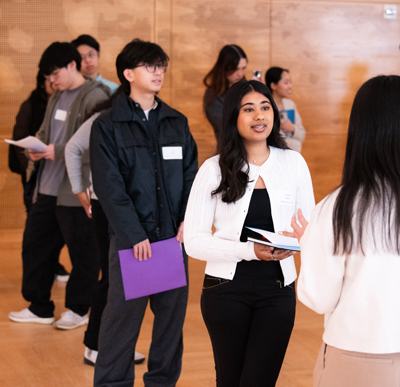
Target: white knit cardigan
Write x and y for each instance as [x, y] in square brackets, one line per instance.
[288, 182]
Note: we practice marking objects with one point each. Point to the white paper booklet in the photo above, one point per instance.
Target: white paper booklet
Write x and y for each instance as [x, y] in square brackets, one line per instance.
[29, 143]
[275, 240]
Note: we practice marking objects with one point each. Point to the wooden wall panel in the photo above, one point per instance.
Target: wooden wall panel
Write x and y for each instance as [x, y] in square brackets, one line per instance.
[200, 30]
[330, 47]
[27, 28]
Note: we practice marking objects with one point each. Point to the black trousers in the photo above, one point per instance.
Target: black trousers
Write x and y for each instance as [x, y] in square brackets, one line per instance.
[120, 327]
[250, 321]
[48, 228]
[100, 291]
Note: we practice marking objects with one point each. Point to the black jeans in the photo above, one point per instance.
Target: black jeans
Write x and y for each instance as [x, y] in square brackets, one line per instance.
[100, 292]
[48, 228]
[250, 321]
[120, 327]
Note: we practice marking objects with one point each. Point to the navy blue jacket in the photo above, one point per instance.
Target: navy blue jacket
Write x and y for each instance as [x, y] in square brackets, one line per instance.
[123, 168]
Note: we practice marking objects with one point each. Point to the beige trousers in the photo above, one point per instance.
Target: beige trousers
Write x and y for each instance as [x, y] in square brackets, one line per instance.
[338, 368]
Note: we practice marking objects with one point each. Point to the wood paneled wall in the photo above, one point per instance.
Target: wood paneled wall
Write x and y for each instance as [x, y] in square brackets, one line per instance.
[330, 48]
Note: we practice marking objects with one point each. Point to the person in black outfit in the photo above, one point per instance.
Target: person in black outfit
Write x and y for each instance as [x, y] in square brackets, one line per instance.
[248, 300]
[230, 68]
[144, 160]
[28, 121]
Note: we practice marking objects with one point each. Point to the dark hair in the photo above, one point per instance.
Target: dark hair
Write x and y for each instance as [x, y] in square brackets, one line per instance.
[273, 75]
[370, 187]
[227, 62]
[135, 53]
[38, 100]
[57, 56]
[232, 153]
[40, 91]
[88, 40]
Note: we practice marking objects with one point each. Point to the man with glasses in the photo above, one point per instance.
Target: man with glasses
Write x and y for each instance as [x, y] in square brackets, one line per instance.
[57, 216]
[144, 161]
[89, 49]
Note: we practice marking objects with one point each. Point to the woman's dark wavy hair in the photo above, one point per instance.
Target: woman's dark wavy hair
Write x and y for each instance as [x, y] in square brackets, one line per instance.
[232, 153]
[370, 187]
[227, 62]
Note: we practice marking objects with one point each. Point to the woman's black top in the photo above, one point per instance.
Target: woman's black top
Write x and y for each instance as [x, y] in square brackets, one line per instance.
[259, 216]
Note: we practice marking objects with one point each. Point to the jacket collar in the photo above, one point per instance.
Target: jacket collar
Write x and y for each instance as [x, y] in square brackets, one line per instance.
[123, 109]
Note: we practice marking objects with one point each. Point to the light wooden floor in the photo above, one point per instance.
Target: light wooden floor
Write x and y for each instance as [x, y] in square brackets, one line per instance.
[33, 355]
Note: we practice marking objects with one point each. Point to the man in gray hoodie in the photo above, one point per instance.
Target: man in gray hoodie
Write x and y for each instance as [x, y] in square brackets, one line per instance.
[57, 217]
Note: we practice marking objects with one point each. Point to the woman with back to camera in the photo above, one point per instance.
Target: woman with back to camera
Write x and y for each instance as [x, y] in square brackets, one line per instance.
[279, 82]
[350, 260]
[248, 299]
[230, 68]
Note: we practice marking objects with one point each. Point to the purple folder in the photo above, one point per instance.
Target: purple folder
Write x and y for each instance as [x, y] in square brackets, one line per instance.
[165, 270]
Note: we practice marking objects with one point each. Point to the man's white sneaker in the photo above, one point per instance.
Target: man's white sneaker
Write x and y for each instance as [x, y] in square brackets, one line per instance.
[71, 320]
[26, 316]
[90, 356]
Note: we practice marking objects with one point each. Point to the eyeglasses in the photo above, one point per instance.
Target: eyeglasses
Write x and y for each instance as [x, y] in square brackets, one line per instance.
[90, 54]
[151, 68]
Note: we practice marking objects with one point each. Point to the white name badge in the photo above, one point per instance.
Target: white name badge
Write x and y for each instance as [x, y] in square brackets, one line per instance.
[285, 198]
[61, 115]
[172, 152]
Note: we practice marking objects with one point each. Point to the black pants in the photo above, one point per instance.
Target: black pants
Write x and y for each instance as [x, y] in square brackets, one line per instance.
[99, 298]
[250, 321]
[120, 327]
[48, 228]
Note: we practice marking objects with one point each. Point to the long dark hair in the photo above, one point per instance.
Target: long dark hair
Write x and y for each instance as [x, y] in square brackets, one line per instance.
[232, 153]
[227, 62]
[370, 187]
[38, 100]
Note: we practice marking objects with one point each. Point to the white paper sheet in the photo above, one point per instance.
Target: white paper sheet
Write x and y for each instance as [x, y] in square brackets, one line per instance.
[29, 143]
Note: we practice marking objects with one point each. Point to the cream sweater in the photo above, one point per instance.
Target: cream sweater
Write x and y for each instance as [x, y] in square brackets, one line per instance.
[295, 140]
[358, 294]
[289, 186]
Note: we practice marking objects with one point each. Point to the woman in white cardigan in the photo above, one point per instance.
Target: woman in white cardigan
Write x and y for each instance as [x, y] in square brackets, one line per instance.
[279, 81]
[350, 259]
[248, 300]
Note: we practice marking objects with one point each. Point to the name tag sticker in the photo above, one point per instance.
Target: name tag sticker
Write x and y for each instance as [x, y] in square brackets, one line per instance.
[61, 115]
[285, 198]
[172, 152]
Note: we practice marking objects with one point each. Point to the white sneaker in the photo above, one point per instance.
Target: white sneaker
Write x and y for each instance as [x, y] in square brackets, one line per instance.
[139, 358]
[26, 316]
[71, 320]
[90, 356]
[61, 277]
